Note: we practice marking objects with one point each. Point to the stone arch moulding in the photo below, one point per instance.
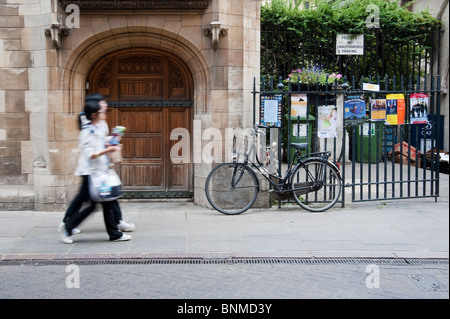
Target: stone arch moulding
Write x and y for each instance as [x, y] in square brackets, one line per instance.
[92, 49]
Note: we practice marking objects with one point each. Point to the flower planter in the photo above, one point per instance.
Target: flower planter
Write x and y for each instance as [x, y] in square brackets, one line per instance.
[306, 79]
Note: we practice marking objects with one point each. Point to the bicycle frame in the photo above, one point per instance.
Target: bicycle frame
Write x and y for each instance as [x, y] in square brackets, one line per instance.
[283, 185]
[311, 179]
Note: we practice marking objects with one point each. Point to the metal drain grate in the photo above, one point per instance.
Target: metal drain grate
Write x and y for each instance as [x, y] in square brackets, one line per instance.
[211, 261]
[427, 283]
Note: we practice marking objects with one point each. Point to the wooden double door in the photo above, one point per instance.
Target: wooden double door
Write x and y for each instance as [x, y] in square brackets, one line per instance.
[150, 93]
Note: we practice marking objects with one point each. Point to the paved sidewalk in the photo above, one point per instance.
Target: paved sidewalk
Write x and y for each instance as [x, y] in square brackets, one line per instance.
[417, 228]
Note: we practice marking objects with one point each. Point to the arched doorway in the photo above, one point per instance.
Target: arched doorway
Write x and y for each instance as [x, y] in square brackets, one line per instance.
[150, 92]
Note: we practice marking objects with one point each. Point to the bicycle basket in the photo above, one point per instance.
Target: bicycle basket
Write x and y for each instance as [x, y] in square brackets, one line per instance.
[246, 142]
[241, 144]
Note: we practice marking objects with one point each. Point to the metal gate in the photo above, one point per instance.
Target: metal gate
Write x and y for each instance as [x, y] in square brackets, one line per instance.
[379, 158]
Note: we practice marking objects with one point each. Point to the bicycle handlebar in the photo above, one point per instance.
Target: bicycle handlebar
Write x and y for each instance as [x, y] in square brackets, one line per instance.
[257, 127]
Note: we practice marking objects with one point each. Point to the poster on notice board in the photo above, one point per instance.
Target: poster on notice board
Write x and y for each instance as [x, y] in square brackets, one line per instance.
[395, 109]
[327, 124]
[271, 110]
[419, 108]
[355, 109]
[299, 105]
[378, 110]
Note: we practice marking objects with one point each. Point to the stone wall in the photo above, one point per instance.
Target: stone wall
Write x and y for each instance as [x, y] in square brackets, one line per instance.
[42, 87]
[439, 9]
[15, 63]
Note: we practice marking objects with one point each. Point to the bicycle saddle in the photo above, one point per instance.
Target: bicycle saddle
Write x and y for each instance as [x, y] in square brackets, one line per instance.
[299, 146]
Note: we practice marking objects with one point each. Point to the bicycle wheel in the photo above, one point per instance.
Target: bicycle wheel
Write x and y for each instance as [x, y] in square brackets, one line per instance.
[312, 192]
[231, 188]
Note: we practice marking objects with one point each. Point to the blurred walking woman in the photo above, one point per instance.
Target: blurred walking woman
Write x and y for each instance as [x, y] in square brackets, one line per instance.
[92, 158]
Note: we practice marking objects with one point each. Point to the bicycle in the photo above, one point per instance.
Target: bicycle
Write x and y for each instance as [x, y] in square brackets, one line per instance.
[311, 180]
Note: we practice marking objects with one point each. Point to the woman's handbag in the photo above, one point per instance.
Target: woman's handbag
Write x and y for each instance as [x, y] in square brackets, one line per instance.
[105, 186]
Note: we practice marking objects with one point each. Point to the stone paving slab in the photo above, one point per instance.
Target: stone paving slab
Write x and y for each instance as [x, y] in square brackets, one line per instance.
[412, 228]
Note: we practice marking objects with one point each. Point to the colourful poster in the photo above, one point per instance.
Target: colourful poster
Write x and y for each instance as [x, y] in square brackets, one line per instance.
[271, 110]
[378, 110]
[355, 109]
[419, 108]
[391, 112]
[327, 122]
[400, 103]
[299, 105]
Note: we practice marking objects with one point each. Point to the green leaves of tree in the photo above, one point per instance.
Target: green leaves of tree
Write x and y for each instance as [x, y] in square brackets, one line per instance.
[348, 16]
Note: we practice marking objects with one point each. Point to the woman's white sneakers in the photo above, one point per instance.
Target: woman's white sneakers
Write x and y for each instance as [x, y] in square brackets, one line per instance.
[126, 226]
[75, 231]
[124, 237]
[67, 239]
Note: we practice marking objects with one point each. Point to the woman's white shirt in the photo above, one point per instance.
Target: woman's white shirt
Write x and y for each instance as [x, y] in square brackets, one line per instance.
[91, 140]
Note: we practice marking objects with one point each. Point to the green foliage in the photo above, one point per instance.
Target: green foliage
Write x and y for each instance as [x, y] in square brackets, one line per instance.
[409, 36]
[345, 17]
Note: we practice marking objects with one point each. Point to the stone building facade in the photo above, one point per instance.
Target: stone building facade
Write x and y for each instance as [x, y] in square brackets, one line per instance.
[165, 66]
[439, 10]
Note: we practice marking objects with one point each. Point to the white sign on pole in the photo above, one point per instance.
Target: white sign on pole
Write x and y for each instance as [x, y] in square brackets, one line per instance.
[350, 44]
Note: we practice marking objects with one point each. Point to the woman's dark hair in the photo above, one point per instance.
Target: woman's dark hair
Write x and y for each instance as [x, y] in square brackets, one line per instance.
[94, 97]
[91, 106]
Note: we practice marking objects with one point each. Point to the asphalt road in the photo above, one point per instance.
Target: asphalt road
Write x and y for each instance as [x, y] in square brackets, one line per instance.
[183, 281]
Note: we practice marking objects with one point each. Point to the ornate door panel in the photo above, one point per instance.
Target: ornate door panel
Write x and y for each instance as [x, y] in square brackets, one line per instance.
[149, 93]
[143, 151]
[178, 173]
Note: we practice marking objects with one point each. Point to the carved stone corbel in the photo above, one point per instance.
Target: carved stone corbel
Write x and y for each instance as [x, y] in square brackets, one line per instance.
[55, 31]
[215, 31]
